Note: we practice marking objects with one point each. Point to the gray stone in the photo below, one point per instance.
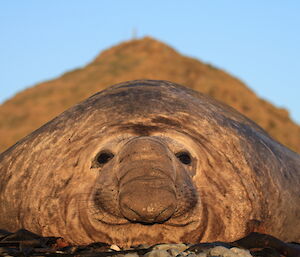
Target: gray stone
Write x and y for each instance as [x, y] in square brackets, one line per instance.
[158, 253]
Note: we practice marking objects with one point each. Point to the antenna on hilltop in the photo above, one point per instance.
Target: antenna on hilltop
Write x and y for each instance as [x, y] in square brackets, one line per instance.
[134, 34]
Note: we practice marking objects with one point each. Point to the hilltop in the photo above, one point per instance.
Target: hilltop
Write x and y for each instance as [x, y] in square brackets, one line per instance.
[144, 58]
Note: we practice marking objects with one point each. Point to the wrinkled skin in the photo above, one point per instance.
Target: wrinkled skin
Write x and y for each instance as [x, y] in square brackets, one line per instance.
[149, 162]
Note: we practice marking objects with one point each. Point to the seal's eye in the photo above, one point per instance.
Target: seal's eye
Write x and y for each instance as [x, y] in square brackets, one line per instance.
[184, 157]
[104, 157]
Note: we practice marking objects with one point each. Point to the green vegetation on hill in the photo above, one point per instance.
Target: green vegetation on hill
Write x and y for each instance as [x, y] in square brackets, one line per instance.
[138, 59]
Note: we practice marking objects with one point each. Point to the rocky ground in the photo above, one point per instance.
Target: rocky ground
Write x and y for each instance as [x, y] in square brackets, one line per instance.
[25, 243]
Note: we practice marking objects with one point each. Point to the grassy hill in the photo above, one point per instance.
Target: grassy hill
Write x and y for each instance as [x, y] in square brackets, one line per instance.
[138, 59]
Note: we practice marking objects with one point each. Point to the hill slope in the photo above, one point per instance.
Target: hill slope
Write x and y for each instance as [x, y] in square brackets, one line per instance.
[138, 59]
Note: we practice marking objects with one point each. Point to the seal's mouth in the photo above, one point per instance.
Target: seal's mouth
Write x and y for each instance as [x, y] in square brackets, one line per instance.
[170, 222]
[147, 200]
[137, 218]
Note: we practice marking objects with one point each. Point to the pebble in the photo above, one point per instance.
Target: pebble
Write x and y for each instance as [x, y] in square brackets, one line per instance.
[115, 248]
[178, 250]
[158, 253]
[220, 251]
[173, 252]
[179, 247]
[241, 252]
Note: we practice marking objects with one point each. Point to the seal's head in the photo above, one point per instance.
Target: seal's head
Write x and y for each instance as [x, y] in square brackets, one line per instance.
[140, 162]
[148, 185]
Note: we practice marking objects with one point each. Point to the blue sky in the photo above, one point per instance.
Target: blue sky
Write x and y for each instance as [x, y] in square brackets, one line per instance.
[256, 41]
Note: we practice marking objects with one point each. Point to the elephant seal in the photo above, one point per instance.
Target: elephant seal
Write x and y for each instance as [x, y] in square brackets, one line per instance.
[147, 162]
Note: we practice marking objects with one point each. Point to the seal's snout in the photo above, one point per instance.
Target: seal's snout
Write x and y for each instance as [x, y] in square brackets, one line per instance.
[146, 205]
[146, 181]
